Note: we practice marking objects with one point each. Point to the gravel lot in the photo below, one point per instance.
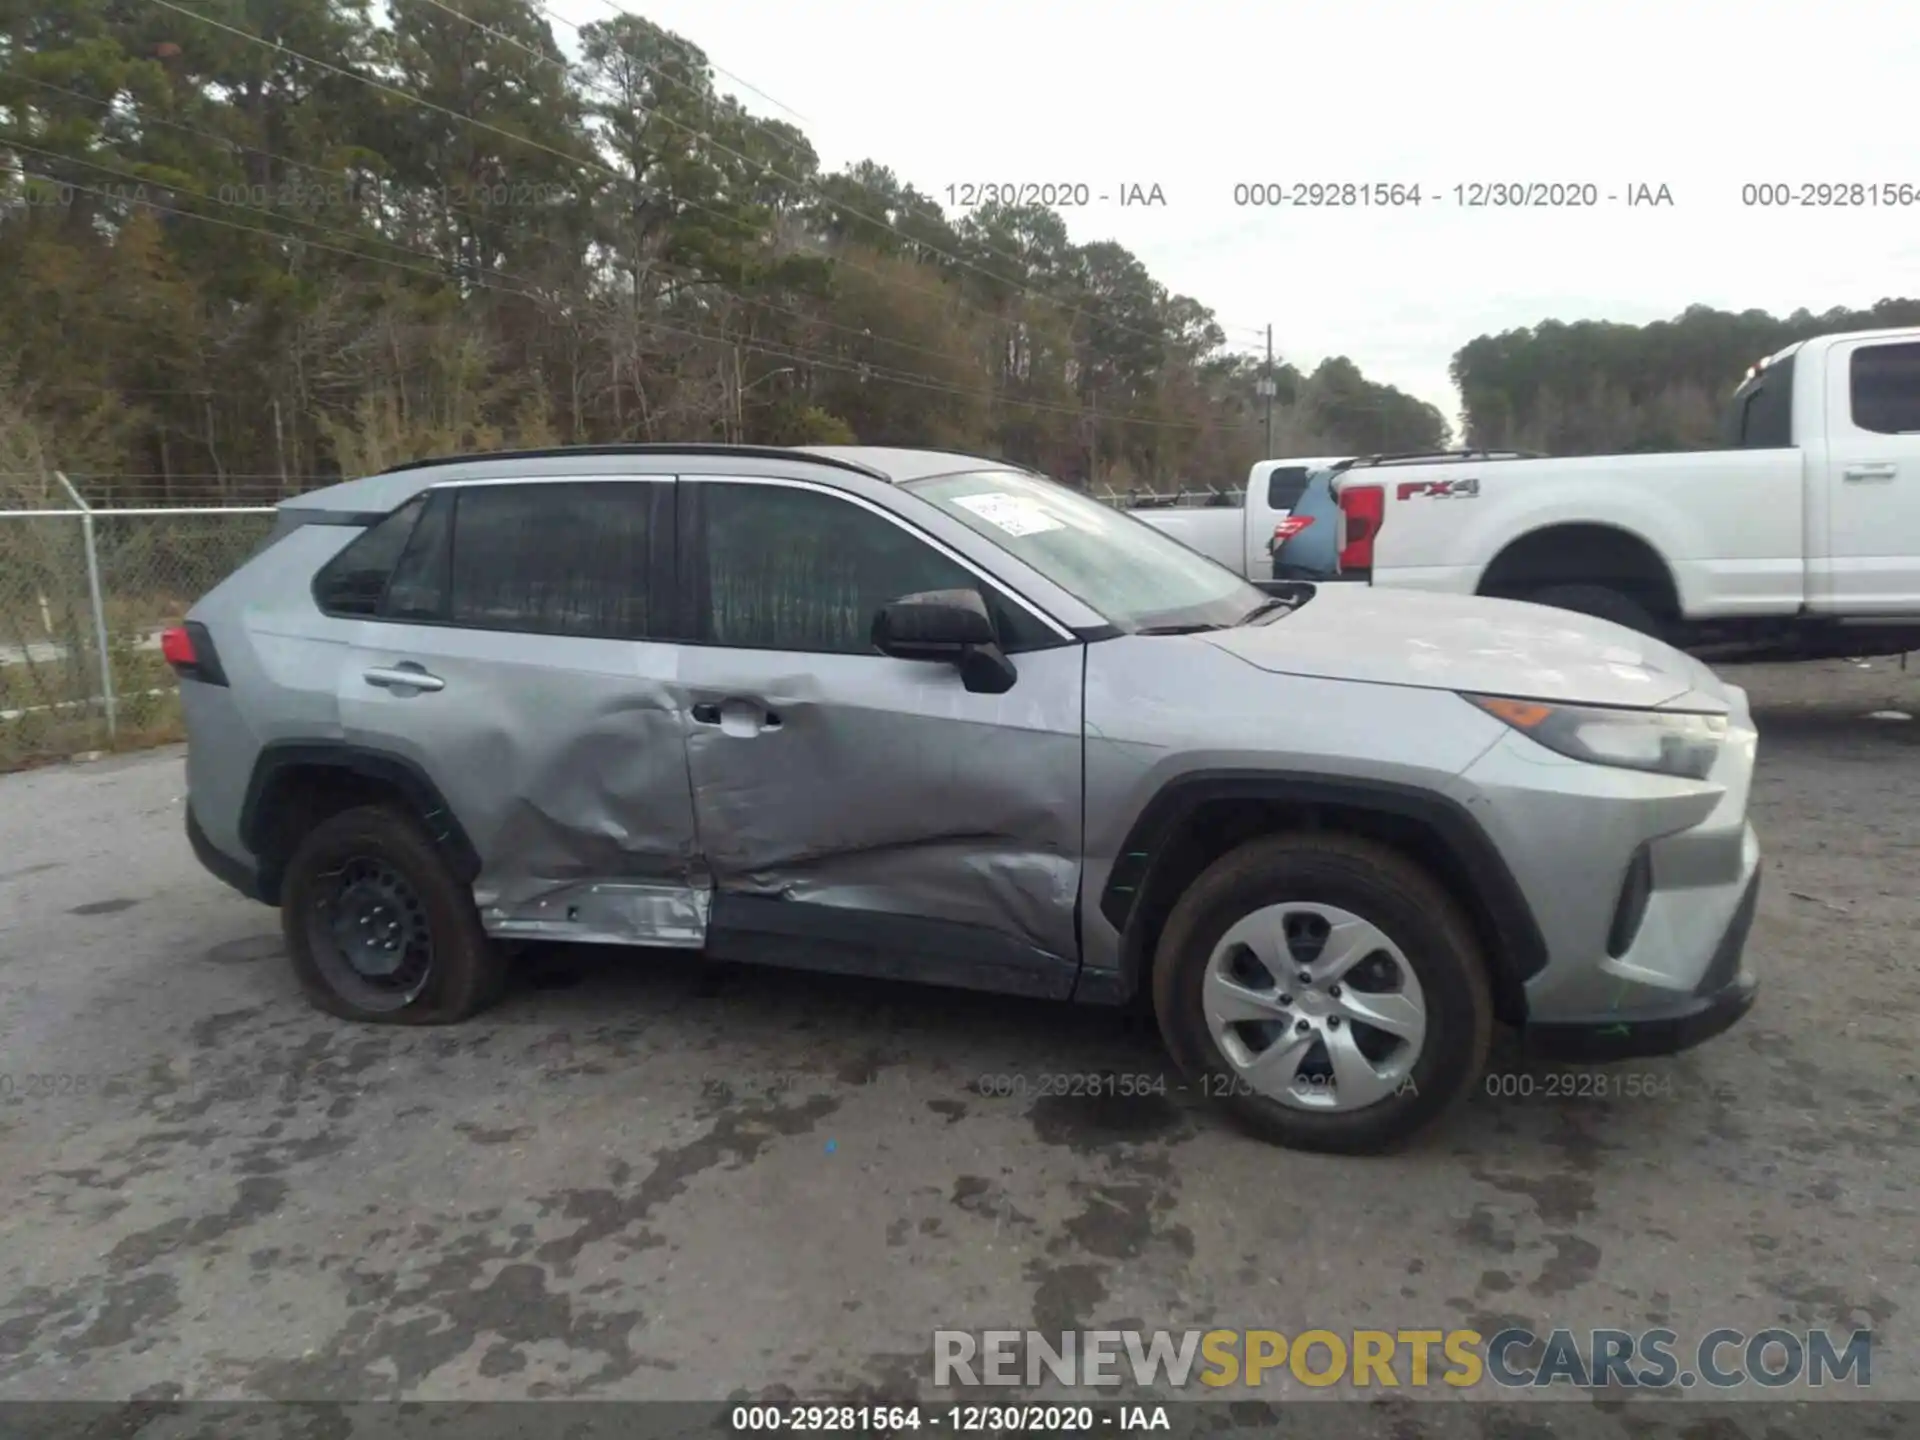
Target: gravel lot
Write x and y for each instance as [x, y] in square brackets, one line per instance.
[639, 1180]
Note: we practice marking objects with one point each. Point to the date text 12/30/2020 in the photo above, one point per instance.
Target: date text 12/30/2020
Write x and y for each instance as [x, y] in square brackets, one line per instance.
[1055, 194]
[907, 1419]
[1466, 195]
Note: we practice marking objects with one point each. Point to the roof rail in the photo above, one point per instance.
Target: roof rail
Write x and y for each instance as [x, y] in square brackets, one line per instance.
[1415, 457]
[563, 452]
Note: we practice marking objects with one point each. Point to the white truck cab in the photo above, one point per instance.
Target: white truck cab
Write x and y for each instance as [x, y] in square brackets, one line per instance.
[1799, 540]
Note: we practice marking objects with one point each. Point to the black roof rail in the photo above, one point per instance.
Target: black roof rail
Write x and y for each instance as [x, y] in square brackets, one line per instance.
[1415, 457]
[697, 447]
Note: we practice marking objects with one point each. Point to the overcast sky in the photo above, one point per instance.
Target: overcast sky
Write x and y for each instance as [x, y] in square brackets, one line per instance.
[1196, 96]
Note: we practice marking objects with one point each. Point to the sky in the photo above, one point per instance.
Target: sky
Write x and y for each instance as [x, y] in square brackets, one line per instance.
[1703, 97]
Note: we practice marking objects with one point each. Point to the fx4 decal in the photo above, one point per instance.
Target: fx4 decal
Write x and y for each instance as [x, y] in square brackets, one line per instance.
[1440, 489]
[1291, 526]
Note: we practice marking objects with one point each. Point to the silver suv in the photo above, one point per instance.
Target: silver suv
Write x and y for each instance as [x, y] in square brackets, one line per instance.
[929, 716]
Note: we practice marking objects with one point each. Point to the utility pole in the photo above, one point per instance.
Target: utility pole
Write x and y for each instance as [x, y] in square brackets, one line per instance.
[1266, 387]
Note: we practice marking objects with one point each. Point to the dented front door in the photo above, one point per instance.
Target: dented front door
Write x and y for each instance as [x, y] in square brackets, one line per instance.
[864, 813]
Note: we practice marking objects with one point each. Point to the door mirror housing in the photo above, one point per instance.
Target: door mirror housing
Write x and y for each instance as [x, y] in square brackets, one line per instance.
[954, 626]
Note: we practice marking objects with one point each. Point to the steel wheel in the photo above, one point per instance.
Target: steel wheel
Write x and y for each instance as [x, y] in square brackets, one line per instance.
[1314, 1007]
[370, 934]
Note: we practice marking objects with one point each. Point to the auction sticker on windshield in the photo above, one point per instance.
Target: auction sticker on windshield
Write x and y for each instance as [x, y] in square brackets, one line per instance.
[1015, 514]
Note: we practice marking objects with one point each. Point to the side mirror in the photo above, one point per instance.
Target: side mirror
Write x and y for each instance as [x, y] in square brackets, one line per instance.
[949, 625]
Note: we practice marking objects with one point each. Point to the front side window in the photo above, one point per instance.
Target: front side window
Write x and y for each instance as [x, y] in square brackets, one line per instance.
[554, 558]
[795, 569]
[1131, 573]
[1884, 382]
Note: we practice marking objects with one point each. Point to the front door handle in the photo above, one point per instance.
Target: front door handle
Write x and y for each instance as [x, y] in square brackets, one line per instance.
[404, 676]
[736, 715]
[1868, 472]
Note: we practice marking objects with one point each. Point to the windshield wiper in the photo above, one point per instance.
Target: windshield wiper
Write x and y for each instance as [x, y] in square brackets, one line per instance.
[1265, 607]
[1178, 629]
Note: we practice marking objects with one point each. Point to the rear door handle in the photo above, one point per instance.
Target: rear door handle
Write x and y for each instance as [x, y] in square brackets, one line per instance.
[1868, 472]
[749, 716]
[404, 676]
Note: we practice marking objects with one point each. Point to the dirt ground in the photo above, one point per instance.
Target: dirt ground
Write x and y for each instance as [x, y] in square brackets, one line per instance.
[642, 1179]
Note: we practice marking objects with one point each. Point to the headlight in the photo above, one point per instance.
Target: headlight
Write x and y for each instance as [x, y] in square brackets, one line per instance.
[1666, 742]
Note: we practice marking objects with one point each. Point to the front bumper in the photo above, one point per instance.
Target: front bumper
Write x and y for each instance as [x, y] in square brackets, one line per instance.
[1724, 995]
[1644, 888]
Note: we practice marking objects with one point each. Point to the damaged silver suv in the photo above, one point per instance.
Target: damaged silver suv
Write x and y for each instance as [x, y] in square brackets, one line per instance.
[929, 716]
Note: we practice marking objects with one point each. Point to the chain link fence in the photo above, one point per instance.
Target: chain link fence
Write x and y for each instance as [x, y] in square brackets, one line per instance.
[84, 595]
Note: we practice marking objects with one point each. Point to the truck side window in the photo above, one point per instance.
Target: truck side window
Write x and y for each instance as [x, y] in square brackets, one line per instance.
[1763, 410]
[1285, 485]
[1884, 388]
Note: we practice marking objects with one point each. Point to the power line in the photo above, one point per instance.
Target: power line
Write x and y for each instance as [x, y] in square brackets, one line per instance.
[862, 370]
[551, 150]
[144, 120]
[930, 212]
[682, 274]
[514, 136]
[677, 272]
[767, 169]
[145, 180]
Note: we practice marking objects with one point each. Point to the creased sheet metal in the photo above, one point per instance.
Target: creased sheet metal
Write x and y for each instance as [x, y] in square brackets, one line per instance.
[566, 762]
[889, 787]
[597, 841]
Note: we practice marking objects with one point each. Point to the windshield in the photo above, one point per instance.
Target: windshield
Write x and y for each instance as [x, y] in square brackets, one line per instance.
[1130, 572]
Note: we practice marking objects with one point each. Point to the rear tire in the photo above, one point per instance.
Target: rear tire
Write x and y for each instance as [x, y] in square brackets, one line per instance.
[1365, 889]
[379, 928]
[1602, 602]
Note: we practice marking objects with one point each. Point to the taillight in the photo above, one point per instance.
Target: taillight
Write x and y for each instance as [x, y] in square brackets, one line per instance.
[177, 646]
[189, 650]
[1362, 510]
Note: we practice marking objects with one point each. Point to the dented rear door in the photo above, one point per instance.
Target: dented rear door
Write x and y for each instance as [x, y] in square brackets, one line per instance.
[513, 660]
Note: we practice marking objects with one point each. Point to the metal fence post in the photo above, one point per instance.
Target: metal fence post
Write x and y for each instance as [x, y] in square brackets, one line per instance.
[99, 606]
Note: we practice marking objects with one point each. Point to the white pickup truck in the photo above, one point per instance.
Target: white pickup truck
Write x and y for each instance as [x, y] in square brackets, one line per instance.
[1238, 536]
[1801, 540]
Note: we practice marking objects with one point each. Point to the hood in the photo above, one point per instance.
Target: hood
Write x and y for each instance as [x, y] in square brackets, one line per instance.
[1351, 631]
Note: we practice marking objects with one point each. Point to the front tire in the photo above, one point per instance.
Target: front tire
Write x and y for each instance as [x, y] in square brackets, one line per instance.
[379, 928]
[1326, 991]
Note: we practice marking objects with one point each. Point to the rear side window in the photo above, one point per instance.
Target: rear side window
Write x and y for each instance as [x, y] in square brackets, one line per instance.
[353, 582]
[1762, 411]
[1884, 387]
[1285, 486]
[421, 579]
[554, 558]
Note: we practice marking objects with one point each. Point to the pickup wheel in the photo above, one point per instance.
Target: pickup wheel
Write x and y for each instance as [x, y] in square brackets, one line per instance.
[1325, 990]
[380, 930]
[1602, 602]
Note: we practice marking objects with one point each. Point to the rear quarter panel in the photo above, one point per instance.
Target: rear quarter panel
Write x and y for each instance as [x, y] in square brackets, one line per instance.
[282, 658]
[1730, 524]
